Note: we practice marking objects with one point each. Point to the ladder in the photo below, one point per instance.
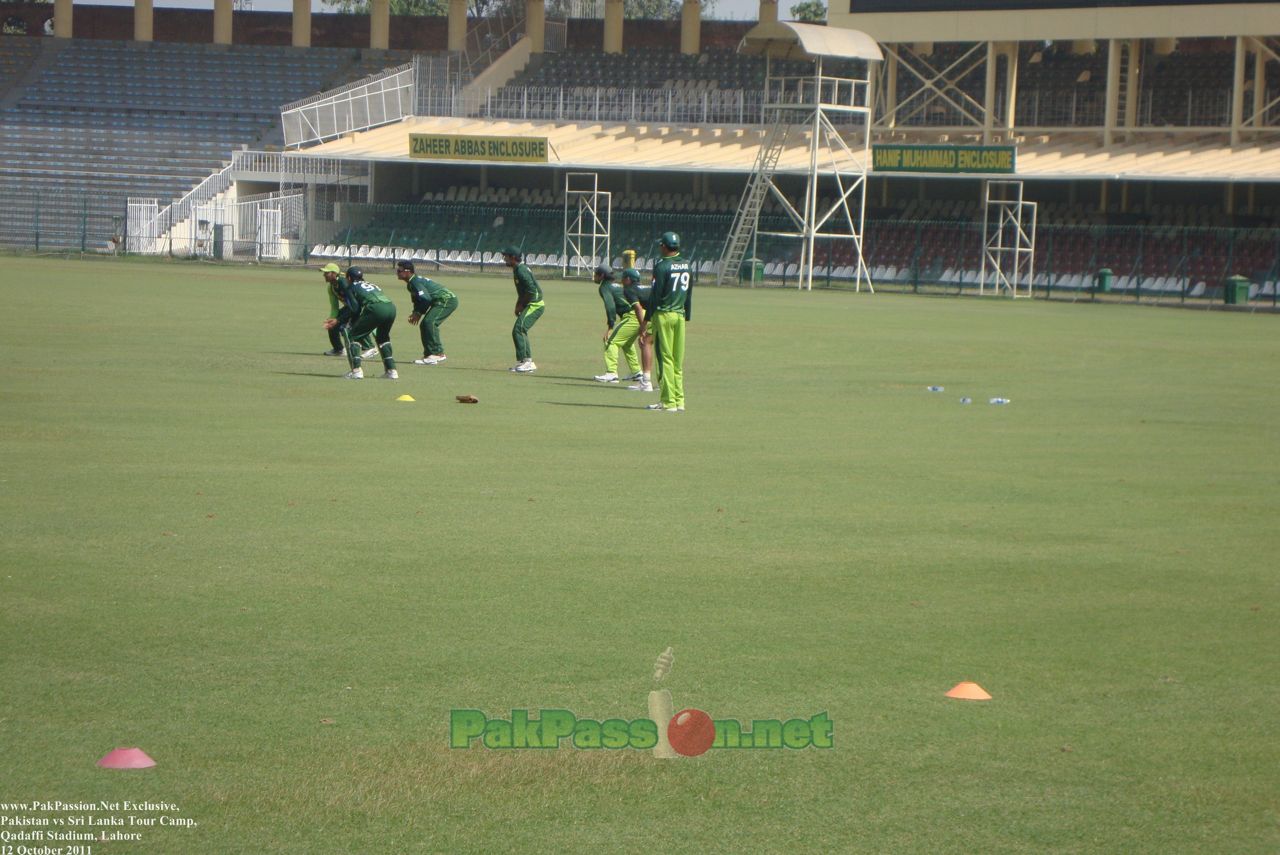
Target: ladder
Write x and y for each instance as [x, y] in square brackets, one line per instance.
[748, 216]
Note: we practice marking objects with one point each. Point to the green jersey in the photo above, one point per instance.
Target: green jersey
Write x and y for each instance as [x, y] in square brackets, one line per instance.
[615, 301]
[527, 290]
[334, 305]
[637, 294]
[672, 287]
[427, 293]
[355, 296]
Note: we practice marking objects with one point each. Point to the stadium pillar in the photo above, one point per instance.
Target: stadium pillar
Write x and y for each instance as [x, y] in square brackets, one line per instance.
[144, 20]
[222, 22]
[690, 27]
[302, 23]
[1010, 86]
[890, 71]
[535, 24]
[457, 25]
[62, 19]
[989, 95]
[380, 24]
[768, 11]
[1259, 86]
[613, 26]
[1131, 81]
[1113, 91]
[1237, 92]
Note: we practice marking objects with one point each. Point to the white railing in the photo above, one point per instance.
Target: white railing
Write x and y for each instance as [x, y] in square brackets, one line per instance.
[377, 100]
[155, 226]
[295, 168]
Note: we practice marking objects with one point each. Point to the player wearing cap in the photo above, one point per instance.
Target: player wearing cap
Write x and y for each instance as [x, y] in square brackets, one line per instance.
[669, 308]
[529, 308]
[637, 293]
[432, 303]
[365, 310]
[336, 347]
[622, 327]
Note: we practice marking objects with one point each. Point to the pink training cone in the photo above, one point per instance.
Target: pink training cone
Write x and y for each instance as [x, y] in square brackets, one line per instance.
[126, 758]
[968, 692]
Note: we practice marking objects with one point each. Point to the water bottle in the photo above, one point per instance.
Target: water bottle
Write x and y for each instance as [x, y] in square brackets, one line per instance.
[999, 401]
[936, 389]
[966, 400]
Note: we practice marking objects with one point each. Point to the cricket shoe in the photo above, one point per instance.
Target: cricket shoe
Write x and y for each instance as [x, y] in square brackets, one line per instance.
[641, 387]
[370, 353]
[430, 360]
[356, 374]
[334, 353]
[391, 374]
[525, 367]
[607, 378]
[637, 376]
[655, 407]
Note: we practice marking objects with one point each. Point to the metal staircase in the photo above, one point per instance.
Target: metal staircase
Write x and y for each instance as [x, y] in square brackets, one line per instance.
[748, 216]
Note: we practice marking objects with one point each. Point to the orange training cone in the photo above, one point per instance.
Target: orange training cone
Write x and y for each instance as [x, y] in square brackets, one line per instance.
[968, 692]
[126, 758]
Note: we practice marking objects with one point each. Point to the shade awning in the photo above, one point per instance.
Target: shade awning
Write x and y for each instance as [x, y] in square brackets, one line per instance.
[789, 40]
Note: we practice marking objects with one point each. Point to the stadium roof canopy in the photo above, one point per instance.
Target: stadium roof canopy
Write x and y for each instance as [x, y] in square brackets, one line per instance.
[733, 149]
[787, 40]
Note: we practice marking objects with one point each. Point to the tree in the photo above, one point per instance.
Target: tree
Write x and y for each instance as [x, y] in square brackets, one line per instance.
[810, 11]
[652, 10]
[644, 9]
[398, 7]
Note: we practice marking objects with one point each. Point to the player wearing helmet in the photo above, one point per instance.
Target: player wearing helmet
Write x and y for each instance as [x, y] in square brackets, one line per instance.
[336, 347]
[365, 310]
[669, 308]
[622, 327]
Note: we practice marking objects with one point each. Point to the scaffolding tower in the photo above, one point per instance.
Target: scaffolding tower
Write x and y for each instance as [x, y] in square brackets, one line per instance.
[587, 216]
[1008, 240]
[834, 114]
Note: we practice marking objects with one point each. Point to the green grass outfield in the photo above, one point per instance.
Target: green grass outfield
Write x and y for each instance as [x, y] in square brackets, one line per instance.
[278, 583]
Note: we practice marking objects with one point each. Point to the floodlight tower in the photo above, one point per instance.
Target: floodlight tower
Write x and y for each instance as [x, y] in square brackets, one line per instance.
[834, 114]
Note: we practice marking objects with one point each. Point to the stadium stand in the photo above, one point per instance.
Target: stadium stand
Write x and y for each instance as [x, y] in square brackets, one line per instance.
[99, 121]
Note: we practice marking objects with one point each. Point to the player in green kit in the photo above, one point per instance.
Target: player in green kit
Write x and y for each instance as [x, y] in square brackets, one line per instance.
[637, 293]
[669, 308]
[529, 308]
[432, 303]
[622, 327]
[365, 310]
[336, 347]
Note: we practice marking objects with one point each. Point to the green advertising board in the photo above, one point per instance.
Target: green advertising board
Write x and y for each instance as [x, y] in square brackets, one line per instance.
[945, 159]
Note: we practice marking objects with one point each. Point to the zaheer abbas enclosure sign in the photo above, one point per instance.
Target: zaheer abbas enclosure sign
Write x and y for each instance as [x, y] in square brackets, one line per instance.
[988, 159]
[456, 147]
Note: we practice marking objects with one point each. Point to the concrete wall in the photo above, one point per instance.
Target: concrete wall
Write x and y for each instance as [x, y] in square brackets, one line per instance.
[327, 30]
[259, 28]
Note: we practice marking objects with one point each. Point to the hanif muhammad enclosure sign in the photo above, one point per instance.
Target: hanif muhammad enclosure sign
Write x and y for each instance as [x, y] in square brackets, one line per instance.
[458, 147]
[985, 159]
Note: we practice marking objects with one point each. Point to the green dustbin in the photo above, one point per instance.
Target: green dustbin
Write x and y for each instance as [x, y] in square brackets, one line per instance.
[1235, 291]
[1103, 280]
[752, 270]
